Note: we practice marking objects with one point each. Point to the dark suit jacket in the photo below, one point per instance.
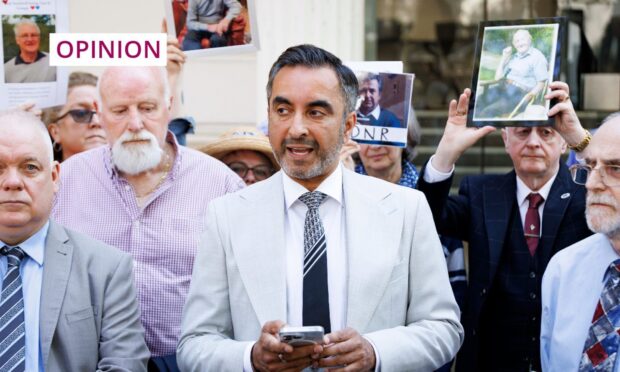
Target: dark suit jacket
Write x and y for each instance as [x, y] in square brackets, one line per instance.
[480, 215]
[89, 315]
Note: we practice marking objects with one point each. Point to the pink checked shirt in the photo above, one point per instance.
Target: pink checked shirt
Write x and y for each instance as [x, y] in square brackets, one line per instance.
[162, 237]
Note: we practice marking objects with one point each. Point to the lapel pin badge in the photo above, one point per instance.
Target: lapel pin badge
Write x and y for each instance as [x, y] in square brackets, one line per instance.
[565, 195]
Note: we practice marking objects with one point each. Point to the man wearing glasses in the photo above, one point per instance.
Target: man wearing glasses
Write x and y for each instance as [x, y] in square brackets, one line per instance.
[30, 65]
[247, 152]
[580, 292]
[514, 223]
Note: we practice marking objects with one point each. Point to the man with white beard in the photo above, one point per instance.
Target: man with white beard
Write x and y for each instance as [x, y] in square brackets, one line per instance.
[580, 288]
[146, 195]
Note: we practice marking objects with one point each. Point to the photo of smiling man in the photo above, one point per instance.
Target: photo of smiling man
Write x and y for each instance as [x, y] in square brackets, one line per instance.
[28, 64]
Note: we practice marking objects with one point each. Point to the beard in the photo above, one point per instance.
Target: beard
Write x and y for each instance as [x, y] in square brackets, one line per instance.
[135, 158]
[326, 157]
[602, 219]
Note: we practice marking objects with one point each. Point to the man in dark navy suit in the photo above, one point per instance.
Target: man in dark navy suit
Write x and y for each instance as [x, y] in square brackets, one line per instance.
[370, 112]
[514, 223]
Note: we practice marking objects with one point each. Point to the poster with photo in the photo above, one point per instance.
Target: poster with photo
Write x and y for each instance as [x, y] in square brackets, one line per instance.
[26, 73]
[205, 27]
[515, 62]
[383, 110]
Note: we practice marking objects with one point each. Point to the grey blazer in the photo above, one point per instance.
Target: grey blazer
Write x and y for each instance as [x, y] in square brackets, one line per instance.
[89, 315]
[399, 295]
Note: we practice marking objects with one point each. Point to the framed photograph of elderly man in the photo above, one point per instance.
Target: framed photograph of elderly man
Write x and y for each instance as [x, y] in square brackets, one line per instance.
[210, 27]
[515, 62]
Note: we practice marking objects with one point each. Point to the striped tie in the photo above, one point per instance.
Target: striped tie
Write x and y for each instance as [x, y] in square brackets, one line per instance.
[12, 331]
[316, 294]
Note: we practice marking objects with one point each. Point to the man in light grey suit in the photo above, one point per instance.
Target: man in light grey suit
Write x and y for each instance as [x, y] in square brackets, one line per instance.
[381, 290]
[68, 301]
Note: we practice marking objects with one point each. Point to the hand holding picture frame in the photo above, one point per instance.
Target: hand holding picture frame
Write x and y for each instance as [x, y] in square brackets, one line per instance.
[515, 63]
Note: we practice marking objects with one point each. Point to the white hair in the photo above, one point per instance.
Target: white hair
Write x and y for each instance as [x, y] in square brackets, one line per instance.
[523, 32]
[163, 75]
[18, 119]
[25, 21]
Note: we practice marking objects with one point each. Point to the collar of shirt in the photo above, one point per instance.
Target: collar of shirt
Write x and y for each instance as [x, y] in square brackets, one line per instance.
[20, 61]
[34, 246]
[605, 257]
[523, 191]
[374, 113]
[170, 138]
[527, 53]
[331, 186]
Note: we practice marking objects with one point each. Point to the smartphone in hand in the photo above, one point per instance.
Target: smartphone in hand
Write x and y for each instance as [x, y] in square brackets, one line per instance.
[301, 336]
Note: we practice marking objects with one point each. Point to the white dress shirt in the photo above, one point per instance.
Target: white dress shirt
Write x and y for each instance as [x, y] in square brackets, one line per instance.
[432, 175]
[31, 272]
[375, 113]
[332, 216]
[571, 288]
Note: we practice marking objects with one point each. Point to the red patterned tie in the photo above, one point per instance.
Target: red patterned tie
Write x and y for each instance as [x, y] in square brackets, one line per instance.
[532, 222]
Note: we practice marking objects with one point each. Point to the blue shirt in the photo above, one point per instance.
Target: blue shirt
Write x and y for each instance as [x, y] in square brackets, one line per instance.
[527, 69]
[571, 288]
[31, 271]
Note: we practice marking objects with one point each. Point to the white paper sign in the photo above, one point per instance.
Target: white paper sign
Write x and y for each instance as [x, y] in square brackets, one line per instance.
[26, 74]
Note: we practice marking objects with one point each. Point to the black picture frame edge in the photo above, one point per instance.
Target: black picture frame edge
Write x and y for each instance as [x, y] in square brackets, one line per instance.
[562, 27]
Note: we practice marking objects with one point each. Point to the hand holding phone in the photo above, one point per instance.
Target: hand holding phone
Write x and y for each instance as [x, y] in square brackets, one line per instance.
[301, 336]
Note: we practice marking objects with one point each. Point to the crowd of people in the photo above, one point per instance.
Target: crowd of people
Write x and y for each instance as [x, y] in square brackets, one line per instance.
[138, 253]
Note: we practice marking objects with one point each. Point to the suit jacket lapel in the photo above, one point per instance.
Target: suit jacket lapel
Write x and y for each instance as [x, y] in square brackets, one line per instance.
[373, 229]
[260, 250]
[56, 270]
[555, 207]
[498, 201]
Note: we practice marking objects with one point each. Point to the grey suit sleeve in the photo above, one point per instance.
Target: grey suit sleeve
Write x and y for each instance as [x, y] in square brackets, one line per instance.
[432, 334]
[206, 342]
[121, 342]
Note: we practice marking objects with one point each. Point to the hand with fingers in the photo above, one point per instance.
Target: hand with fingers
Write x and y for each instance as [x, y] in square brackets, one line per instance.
[176, 57]
[30, 107]
[349, 148]
[269, 354]
[457, 137]
[347, 350]
[566, 121]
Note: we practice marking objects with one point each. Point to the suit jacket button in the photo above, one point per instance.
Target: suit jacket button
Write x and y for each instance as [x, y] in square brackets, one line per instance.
[483, 292]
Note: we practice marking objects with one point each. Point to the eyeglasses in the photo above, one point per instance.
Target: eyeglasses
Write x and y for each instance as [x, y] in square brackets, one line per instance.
[261, 172]
[81, 116]
[610, 174]
[32, 36]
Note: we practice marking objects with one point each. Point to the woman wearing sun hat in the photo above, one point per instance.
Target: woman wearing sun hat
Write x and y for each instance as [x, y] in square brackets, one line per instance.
[245, 150]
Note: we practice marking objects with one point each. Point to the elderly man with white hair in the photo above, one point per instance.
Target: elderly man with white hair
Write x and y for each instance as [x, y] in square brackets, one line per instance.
[30, 65]
[68, 302]
[580, 291]
[522, 74]
[146, 195]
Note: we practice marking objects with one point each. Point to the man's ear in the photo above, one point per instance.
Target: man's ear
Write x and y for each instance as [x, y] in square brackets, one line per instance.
[505, 138]
[56, 175]
[349, 123]
[54, 130]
